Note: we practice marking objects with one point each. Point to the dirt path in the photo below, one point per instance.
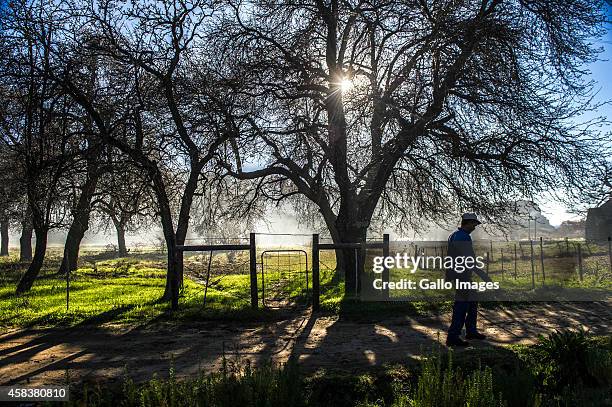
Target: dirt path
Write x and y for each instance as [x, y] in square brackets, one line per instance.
[49, 356]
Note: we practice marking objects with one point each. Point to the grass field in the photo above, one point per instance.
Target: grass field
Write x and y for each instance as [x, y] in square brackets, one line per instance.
[128, 290]
[112, 290]
[107, 289]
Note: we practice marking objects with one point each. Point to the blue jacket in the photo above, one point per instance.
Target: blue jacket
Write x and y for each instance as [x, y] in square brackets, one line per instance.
[460, 245]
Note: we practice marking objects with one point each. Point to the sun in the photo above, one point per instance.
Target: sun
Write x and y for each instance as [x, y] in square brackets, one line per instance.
[346, 85]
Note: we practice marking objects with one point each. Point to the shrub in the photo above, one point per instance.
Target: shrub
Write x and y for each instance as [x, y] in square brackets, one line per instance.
[439, 387]
[234, 385]
[567, 358]
[479, 390]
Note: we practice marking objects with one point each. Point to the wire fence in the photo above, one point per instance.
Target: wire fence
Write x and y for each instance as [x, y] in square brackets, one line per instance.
[542, 261]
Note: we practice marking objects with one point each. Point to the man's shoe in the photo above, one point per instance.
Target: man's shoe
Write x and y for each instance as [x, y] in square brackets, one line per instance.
[456, 342]
[475, 335]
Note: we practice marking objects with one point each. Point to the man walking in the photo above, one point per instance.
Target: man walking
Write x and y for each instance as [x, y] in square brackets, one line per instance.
[465, 308]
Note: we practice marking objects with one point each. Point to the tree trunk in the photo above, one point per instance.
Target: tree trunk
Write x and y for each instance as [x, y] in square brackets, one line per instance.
[27, 280]
[80, 223]
[4, 232]
[183, 220]
[180, 267]
[121, 239]
[73, 242]
[351, 261]
[171, 291]
[25, 241]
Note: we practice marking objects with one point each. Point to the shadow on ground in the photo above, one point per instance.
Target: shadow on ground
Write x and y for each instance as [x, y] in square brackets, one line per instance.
[99, 351]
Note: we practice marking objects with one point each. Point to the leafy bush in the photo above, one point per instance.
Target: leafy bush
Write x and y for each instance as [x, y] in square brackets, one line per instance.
[517, 384]
[567, 358]
[234, 385]
[479, 390]
[438, 387]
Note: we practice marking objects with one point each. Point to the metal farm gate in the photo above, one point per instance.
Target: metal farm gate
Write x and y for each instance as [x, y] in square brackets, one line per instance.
[285, 278]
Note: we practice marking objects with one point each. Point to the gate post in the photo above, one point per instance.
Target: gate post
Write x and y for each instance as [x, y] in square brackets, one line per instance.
[610, 251]
[542, 260]
[515, 260]
[315, 272]
[385, 273]
[532, 267]
[580, 271]
[180, 267]
[67, 284]
[253, 270]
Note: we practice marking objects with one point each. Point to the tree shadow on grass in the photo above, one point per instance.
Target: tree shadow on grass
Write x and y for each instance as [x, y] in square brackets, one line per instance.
[35, 343]
[146, 347]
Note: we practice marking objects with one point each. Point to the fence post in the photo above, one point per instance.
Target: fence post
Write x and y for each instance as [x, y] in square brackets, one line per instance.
[491, 251]
[532, 267]
[386, 272]
[253, 270]
[610, 251]
[315, 272]
[67, 284]
[488, 261]
[579, 250]
[501, 250]
[515, 260]
[566, 246]
[180, 267]
[542, 260]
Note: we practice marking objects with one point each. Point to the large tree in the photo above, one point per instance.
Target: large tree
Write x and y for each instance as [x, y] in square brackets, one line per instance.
[39, 131]
[412, 108]
[156, 98]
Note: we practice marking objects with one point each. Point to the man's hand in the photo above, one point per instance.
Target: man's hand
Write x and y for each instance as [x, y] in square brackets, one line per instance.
[483, 275]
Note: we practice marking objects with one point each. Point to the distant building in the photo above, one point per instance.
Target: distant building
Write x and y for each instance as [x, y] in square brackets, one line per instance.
[571, 228]
[598, 225]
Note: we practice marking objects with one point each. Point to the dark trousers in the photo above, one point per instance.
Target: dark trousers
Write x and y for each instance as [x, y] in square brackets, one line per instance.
[464, 313]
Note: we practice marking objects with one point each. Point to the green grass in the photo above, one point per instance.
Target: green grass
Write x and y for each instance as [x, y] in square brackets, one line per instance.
[127, 290]
[518, 276]
[123, 290]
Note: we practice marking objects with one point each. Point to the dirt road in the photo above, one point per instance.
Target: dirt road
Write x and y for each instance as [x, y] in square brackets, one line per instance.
[53, 356]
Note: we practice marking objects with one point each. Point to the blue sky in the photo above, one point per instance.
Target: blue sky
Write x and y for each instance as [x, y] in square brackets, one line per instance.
[600, 72]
